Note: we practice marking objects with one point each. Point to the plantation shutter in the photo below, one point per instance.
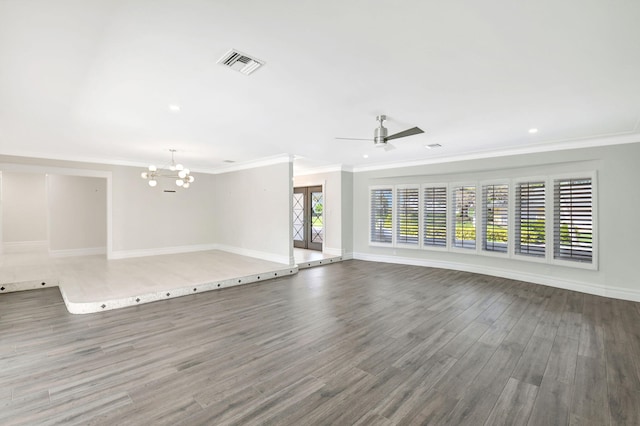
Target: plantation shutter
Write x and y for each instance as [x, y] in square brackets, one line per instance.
[435, 217]
[573, 224]
[407, 215]
[464, 210]
[381, 215]
[530, 219]
[495, 217]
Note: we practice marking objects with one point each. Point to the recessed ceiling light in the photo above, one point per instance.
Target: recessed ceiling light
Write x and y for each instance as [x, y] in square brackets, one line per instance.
[174, 108]
[433, 146]
[365, 156]
[534, 130]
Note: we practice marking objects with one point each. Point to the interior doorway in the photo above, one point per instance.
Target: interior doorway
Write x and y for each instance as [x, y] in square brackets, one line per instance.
[308, 224]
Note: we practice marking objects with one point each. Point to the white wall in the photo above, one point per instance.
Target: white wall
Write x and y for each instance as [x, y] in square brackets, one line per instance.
[253, 211]
[24, 208]
[347, 213]
[618, 214]
[337, 212]
[77, 214]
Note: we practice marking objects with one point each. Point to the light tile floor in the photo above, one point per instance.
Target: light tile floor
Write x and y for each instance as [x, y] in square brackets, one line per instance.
[95, 279]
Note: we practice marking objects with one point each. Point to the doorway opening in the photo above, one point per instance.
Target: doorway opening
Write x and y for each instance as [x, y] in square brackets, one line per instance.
[308, 225]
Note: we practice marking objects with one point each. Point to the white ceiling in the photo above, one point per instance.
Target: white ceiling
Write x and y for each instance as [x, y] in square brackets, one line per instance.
[93, 80]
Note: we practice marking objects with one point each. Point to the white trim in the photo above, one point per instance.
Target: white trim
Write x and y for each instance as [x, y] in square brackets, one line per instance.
[393, 216]
[319, 170]
[452, 217]
[267, 161]
[126, 254]
[282, 158]
[396, 231]
[106, 305]
[593, 265]
[480, 229]
[333, 251]
[92, 251]
[599, 141]
[25, 246]
[595, 289]
[271, 257]
[447, 219]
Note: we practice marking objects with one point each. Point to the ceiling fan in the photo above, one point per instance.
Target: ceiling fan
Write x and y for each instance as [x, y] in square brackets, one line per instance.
[380, 138]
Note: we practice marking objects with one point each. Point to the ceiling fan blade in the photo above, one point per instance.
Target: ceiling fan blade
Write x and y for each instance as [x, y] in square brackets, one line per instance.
[405, 133]
[354, 139]
[389, 147]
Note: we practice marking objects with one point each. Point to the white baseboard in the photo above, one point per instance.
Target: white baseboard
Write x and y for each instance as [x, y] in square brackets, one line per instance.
[598, 290]
[271, 257]
[126, 254]
[92, 251]
[347, 255]
[333, 251]
[25, 246]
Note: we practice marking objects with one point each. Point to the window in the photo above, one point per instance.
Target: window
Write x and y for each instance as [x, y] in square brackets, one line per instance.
[435, 216]
[573, 220]
[407, 215]
[495, 218]
[550, 219]
[381, 215]
[464, 223]
[530, 219]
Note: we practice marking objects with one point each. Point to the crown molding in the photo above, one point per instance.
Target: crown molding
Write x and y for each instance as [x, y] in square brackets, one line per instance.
[532, 149]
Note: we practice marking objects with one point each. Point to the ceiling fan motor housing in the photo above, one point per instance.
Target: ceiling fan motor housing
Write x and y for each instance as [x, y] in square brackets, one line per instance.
[380, 134]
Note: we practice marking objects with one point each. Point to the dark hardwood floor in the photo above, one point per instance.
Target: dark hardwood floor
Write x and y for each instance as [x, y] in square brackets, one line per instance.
[349, 343]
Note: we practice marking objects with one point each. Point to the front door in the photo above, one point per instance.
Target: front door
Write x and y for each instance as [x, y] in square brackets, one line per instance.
[308, 227]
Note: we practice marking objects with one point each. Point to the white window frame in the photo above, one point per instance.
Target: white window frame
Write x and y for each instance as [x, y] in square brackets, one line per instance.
[594, 217]
[510, 221]
[395, 216]
[514, 219]
[452, 218]
[393, 199]
[447, 216]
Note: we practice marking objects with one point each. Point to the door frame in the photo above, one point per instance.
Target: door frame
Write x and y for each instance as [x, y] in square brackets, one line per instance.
[308, 231]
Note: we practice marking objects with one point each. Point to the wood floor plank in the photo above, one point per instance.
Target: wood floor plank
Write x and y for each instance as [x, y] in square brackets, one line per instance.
[514, 405]
[590, 403]
[349, 343]
[552, 404]
[533, 363]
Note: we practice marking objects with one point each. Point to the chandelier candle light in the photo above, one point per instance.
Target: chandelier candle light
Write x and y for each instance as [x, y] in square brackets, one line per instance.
[175, 171]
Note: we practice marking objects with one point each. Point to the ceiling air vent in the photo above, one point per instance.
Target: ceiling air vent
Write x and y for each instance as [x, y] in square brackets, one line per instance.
[240, 62]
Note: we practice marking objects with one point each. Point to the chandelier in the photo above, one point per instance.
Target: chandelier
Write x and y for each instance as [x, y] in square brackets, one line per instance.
[175, 171]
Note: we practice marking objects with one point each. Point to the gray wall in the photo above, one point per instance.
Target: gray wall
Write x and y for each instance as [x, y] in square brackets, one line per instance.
[77, 213]
[24, 218]
[246, 211]
[618, 210]
[253, 211]
[147, 218]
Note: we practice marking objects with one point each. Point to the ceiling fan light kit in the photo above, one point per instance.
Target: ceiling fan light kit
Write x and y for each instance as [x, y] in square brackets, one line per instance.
[173, 170]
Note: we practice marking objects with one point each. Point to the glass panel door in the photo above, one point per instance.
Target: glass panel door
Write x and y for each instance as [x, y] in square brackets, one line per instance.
[299, 239]
[308, 225]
